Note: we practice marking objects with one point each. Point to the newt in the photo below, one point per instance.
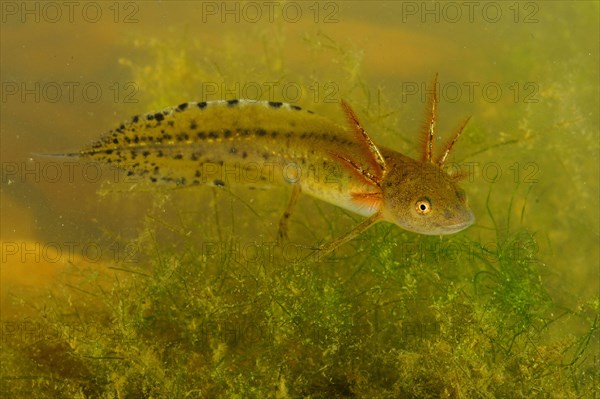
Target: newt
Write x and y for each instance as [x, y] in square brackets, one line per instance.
[263, 143]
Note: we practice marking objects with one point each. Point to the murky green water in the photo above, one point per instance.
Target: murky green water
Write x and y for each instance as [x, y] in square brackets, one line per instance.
[115, 288]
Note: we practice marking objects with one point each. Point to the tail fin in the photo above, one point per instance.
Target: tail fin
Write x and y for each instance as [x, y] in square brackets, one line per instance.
[61, 155]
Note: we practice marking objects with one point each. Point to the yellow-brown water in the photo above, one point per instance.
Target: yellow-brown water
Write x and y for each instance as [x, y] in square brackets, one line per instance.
[124, 288]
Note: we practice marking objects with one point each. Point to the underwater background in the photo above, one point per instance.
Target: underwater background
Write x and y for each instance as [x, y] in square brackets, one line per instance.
[115, 288]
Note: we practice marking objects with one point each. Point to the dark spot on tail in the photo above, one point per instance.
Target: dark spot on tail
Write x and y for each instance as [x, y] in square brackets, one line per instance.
[232, 103]
[295, 108]
[275, 104]
[159, 117]
[219, 183]
[182, 137]
[202, 105]
[182, 107]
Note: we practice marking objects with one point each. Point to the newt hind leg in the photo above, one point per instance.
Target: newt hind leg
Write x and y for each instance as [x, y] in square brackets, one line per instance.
[282, 234]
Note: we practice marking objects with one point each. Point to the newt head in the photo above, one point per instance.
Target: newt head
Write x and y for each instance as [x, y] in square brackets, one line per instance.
[417, 195]
[422, 198]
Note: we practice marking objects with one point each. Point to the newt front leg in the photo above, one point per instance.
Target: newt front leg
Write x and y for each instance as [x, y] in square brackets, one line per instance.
[327, 248]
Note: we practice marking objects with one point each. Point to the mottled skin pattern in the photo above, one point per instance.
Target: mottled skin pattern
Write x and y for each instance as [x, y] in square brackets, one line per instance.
[270, 143]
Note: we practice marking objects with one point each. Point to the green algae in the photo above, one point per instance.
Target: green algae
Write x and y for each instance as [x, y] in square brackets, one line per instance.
[389, 323]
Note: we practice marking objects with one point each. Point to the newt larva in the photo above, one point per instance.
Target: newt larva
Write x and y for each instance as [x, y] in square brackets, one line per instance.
[221, 143]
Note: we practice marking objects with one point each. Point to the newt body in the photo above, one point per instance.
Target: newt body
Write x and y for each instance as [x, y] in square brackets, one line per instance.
[271, 143]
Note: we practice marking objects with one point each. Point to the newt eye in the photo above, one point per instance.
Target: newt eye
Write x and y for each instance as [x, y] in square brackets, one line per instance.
[423, 206]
